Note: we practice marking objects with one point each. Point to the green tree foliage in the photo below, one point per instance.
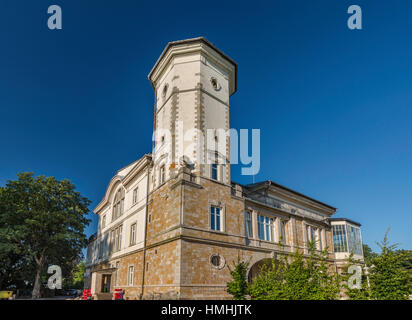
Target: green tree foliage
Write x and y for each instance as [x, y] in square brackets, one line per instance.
[297, 277]
[238, 288]
[42, 223]
[387, 277]
[368, 254]
[407, 264]
[78, 276]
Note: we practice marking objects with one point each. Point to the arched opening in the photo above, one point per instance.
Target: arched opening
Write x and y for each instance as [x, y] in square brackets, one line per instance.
[256, 268]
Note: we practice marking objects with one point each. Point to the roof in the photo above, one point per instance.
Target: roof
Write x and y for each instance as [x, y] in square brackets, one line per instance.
[192, 40]
[346, 220]
[269, 183]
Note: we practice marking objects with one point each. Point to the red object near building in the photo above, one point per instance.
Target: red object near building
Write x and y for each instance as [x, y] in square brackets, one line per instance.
[118, 294]
[86, 294]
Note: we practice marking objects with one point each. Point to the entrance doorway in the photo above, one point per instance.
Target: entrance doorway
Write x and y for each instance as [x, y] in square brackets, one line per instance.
[106, 280]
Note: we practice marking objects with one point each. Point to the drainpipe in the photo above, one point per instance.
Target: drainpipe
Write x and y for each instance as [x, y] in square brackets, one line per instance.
[147, 193]
[145, 231]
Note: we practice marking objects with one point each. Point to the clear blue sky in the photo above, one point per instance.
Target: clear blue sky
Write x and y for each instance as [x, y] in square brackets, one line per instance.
[334, 106]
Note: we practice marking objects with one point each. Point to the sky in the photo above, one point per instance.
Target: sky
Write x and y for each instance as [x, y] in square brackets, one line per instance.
[334, 105]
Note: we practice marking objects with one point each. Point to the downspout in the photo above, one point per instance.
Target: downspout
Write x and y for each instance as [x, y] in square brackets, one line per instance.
[145, 231]
[147, 193]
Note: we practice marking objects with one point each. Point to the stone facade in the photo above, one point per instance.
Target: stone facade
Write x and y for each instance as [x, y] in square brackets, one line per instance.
[168, 224]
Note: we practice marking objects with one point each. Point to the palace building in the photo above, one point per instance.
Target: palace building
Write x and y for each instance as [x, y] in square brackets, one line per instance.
[171, 222]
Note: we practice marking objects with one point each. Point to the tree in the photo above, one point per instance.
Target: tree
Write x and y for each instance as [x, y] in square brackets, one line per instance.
[42, 221]
[368, 254]
[407, 264]
[388, 278]
[78, 276]
[297, 277]
[238, 288]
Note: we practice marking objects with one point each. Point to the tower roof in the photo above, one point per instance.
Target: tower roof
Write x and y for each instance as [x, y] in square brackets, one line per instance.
[187, 43]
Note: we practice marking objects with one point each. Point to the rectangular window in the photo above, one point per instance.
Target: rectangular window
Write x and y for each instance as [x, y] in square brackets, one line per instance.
[354, 240]
[283, 231]
[133, 234]
[313, 235]
[130, 276]
[162, 177]
[248, 224]
[310, 234]
[339, 238]
[214, 171]
[215, 218]
[265, 228]
[135, 195]
[104, 221]
[117, 241]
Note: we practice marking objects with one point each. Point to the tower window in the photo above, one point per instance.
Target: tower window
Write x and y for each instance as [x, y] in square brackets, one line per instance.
[214, 171]
[162, 174]
[215, 84]
[164, 91]
[215, 218]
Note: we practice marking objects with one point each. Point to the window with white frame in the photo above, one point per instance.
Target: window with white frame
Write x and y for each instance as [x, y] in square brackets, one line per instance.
[135, 195]
[216, 218]
[117, 239]
[265, 228]
[248, 224]
[340, 243]
[130, 276]
[118, 204]
[354, 240]
[133, 234]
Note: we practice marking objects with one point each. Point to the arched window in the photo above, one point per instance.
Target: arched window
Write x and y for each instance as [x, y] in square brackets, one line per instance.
[118, 204]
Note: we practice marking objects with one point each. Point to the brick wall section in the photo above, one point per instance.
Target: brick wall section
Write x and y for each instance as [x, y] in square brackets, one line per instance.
[164, 208]
[197, 210]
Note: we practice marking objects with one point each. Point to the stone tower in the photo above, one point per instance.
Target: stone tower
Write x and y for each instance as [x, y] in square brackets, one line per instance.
[190, 174]
[193, 81]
